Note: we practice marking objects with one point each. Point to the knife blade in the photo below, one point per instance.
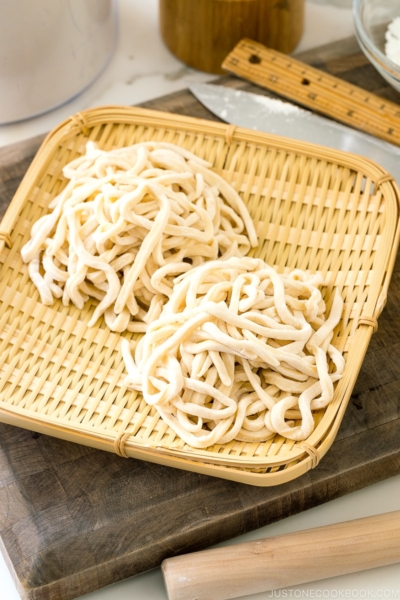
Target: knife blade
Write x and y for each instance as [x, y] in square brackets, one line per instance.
[269, 115]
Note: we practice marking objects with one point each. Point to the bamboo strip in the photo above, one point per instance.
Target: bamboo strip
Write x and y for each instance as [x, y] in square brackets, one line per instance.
[314, 208]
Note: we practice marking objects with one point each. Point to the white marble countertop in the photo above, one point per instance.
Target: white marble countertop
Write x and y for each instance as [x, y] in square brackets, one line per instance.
[141, 69]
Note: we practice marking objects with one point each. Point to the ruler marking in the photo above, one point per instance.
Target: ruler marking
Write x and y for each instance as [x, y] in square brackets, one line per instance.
[357, 120]
[250, 47]
[320, 83]
[284, 86]
[314, 89]
[327, 81]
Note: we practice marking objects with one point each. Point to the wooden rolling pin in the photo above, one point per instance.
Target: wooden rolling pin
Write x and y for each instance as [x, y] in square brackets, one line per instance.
[283, 561]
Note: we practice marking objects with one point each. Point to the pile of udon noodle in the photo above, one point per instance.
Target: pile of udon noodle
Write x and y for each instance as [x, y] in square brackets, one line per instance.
[127, 223]
[238, 352]
[232, 350]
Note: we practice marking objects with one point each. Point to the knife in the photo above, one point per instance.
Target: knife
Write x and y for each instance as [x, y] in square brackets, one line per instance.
[262, 113]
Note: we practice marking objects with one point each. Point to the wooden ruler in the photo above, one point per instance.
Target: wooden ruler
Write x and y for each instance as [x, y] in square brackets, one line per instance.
[315, 89]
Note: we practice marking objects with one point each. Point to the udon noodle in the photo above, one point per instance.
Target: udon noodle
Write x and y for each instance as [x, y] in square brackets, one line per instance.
[127, 223]
[239, 352]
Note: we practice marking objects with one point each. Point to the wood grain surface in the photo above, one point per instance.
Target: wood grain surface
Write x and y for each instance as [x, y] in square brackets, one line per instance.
[202, 32]
[74, 519]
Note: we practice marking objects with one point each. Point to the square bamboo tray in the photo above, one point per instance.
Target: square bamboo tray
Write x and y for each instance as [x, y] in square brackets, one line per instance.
[314, 208]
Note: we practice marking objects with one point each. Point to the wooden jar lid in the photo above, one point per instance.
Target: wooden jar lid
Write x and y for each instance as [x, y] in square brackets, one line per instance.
[202, 32]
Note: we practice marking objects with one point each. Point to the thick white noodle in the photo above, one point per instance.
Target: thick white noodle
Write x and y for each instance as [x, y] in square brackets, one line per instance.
[127, 224]
[238, 353]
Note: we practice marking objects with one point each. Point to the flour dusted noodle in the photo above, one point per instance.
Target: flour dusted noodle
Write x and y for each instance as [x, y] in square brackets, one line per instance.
[239, 352]
[128, 222]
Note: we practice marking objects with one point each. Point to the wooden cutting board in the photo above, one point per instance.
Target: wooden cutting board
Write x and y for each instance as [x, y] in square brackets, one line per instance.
[74, 519]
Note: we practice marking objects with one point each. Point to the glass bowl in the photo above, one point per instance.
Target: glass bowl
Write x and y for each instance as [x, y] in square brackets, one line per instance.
[371, 19]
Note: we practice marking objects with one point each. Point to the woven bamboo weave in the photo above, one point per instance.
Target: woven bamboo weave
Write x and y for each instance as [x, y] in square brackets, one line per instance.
[314, 208]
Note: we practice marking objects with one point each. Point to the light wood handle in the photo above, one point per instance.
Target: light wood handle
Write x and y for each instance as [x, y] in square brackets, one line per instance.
[283, 561]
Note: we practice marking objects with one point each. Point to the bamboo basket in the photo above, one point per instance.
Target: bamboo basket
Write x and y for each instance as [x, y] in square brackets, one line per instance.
[314, 208]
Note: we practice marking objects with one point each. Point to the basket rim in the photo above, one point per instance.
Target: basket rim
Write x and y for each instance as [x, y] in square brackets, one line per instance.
[322, 437]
